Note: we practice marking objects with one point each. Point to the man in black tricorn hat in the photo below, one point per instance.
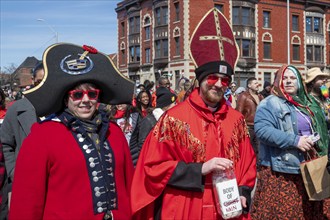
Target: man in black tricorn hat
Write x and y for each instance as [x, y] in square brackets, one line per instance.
[201, 135]
[75, 164]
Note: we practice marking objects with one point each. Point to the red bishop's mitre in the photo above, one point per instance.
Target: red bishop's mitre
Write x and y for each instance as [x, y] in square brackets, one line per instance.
[213, 47]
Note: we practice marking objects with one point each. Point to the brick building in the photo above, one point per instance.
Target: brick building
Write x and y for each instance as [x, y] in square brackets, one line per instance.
[23, 74]
[153, 36]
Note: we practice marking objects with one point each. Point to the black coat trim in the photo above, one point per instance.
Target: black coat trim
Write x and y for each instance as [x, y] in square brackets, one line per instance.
[187, 177]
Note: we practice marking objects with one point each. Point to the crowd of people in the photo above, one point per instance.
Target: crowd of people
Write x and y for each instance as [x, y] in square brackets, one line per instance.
[85, 142]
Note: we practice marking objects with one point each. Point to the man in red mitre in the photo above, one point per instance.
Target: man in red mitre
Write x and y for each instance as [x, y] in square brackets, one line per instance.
[198, 137]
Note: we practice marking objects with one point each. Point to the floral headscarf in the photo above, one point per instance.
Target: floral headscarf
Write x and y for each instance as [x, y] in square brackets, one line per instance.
[305, 104]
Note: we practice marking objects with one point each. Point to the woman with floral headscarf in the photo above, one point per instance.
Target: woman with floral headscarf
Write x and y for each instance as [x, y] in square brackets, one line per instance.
[283, 123]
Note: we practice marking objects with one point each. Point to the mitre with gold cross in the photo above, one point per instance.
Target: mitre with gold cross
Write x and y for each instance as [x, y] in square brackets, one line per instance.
[213, 48]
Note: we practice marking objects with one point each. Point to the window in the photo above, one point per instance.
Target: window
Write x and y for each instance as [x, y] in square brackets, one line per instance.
[314, 53]
[123, 57]
[177, 11]
[246, 47]
[158, 22]
[161, 15]
[236, 15]
[137, 53]
[268, 77]
[157, 48]
[308, 24]
[165, 15]
[296, 52]
[219, 7]
[317, 25]
[267, 50]
[161, 48]
[122, 24]
[165, 48]
[131, 25]
[134, 54]
[147, 31]
[131, 54]
[309, 52]
[317, 53]
[241, 77]
[137, 24]
[243, 16]
[266, 15]
[177, 46]
[134, 25]
[147, 55]
[314, 25]
[295, 22]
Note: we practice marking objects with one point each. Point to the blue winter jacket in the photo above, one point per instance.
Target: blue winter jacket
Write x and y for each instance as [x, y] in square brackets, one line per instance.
[275, 125]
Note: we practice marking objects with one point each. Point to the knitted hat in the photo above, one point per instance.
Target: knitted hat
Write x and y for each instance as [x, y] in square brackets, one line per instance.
[313, 73]
[164, 97]
[67, 65]
[213, 47]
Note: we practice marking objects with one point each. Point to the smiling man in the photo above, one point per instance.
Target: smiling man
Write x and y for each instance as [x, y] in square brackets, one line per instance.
[201, 135]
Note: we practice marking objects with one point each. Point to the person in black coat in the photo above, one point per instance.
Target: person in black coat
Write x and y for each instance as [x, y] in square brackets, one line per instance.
[267, 88]
[165, 100]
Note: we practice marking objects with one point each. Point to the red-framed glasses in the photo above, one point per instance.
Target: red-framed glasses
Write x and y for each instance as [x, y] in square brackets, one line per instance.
[213, 79]
[92, 94]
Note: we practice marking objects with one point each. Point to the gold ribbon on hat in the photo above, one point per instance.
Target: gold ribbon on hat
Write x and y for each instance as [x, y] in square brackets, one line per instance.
[218, 37]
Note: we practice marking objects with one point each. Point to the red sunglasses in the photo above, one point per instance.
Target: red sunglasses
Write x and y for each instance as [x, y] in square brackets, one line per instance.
[92, 94]
[213, 79]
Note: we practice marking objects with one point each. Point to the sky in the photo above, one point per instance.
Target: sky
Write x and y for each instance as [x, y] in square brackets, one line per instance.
[92, 23]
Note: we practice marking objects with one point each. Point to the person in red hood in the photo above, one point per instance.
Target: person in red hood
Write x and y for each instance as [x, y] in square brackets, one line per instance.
[202, 135]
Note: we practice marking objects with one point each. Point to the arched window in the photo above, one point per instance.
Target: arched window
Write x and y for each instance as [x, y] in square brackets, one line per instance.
[267, 40]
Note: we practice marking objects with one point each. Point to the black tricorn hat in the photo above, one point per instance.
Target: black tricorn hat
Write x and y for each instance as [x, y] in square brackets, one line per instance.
[67, 65]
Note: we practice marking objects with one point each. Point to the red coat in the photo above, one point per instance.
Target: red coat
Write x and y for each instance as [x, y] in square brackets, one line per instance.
[51, 178]
[190, 133]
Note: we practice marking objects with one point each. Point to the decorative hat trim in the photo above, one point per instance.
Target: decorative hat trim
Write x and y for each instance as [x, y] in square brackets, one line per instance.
[213, 41]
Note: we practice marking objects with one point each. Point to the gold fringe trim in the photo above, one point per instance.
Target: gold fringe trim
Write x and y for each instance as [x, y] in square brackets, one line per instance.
[240, 132]
[172, 129]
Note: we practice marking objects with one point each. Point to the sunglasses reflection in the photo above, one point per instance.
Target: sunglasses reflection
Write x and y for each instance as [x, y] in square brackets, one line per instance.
[92, 94]
[213, 79]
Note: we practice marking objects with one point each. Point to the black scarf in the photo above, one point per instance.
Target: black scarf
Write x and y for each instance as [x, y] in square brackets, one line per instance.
[91, 136]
